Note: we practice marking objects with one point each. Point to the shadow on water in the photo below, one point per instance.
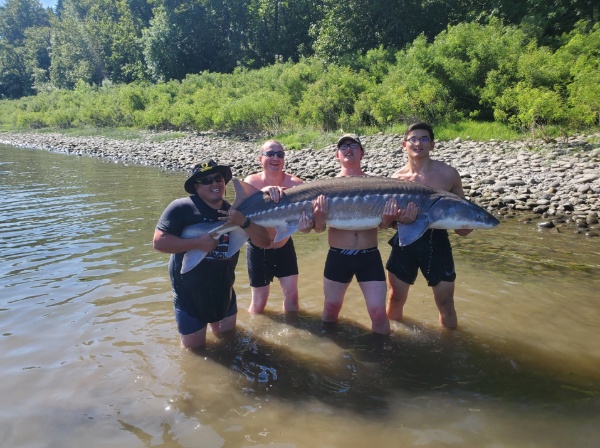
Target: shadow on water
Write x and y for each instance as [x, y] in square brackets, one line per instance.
[371, 370]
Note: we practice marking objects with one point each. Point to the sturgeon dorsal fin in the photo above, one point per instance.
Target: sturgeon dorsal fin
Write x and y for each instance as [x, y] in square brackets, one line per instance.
[242, 191]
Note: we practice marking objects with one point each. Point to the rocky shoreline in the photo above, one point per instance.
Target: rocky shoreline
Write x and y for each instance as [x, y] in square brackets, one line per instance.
[554, 185]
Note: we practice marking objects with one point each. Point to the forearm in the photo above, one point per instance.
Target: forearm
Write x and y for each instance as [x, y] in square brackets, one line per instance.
[171, 244]
[388, 225]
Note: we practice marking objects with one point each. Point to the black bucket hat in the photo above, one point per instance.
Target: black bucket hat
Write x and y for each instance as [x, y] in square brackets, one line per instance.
[205, 168]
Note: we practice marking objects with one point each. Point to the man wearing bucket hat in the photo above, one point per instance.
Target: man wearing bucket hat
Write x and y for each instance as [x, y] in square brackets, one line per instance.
[204, 295]
[354, 252]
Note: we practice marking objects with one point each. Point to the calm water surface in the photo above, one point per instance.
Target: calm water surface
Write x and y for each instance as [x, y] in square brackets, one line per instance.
[91, 355]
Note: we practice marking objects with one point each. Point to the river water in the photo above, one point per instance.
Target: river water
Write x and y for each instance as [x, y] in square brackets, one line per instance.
[91, 355]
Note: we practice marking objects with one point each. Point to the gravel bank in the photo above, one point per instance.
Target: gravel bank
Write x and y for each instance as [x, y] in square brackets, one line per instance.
[555, 186]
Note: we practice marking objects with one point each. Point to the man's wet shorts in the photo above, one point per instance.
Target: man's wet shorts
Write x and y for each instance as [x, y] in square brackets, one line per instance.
[188, 323]
[432, 254]
[343, 264]
[265, 264]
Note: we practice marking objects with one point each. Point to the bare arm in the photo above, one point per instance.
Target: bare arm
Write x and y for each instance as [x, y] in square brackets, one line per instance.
[259, 235]
[171, 244]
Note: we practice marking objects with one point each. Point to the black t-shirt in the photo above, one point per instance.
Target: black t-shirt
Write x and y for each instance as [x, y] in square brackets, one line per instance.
[206, 290]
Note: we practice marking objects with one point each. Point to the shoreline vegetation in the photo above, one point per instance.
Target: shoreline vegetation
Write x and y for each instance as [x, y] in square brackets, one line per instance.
[554, 184]
[488, 73]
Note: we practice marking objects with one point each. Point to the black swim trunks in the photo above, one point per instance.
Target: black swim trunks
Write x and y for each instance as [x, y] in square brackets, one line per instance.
[343, 264]
[432, 254]
[265, 264]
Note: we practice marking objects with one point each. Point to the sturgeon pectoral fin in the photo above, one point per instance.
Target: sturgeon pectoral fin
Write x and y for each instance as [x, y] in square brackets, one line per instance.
[409, 233]
[237, 238]
[191, 259]
[283, 232]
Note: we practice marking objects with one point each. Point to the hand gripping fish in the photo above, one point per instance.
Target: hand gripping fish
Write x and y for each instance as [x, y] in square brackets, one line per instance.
[354, 203]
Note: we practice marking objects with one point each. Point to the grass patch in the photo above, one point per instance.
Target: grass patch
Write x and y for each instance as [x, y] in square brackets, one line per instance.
[306, 138]
[477, 130]
[467, 130]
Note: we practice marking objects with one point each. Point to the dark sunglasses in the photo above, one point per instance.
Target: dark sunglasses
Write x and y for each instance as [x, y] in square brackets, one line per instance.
[279, 154]
[210, 179]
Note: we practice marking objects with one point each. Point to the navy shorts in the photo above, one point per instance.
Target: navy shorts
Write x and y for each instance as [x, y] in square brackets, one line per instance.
[343, 264]
[265, 264]
[432, 254]
[188, 324]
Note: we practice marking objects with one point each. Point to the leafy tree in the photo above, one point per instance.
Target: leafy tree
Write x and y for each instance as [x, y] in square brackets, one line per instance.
[581, 57]
[183, 38]
[24, 56]
[409, 92]
[552, 18]
[16, 16]
[118, 34]
[277, 30]
[36, 54]
[356, 26]
[463, 56]
[76, 53]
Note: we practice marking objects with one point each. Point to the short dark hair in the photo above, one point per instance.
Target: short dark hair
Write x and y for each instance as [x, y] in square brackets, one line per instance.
[420, 125]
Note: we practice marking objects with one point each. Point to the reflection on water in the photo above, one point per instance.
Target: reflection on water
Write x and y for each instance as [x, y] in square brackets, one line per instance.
[91, 354]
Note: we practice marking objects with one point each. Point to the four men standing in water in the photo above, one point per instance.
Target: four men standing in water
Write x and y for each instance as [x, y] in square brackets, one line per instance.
[351, 252]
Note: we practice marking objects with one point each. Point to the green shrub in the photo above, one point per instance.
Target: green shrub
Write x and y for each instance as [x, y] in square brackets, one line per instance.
[528, 107]
[329, 102]
[261, 110]
[408, 93]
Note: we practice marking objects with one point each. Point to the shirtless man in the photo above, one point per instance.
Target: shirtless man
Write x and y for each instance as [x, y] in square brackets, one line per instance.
[355, 252]
[432, 252]
[279, 260]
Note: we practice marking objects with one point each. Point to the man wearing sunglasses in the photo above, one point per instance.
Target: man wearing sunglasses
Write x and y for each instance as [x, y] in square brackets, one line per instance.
[204, 295]
[431, 253]
[354, 252]
[279, 260]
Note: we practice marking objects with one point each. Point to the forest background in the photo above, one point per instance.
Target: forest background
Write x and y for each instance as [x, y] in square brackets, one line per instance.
[306, 67]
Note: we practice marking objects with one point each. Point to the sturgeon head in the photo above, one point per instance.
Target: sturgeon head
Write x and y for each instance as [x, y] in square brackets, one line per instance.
[454, 212]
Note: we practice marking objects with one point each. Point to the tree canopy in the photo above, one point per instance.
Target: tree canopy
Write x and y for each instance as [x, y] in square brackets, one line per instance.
[338, 64]
[121, 41]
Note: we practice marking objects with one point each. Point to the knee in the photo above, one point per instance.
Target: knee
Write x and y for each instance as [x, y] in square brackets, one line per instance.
[445, 301]
[194, 340]
[378, 314]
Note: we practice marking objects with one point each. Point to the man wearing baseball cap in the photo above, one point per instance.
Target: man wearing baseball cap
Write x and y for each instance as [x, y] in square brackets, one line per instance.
[205, 294]
[354, 252]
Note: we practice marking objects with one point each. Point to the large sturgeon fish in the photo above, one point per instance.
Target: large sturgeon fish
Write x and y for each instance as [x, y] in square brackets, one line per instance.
[355, 203]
